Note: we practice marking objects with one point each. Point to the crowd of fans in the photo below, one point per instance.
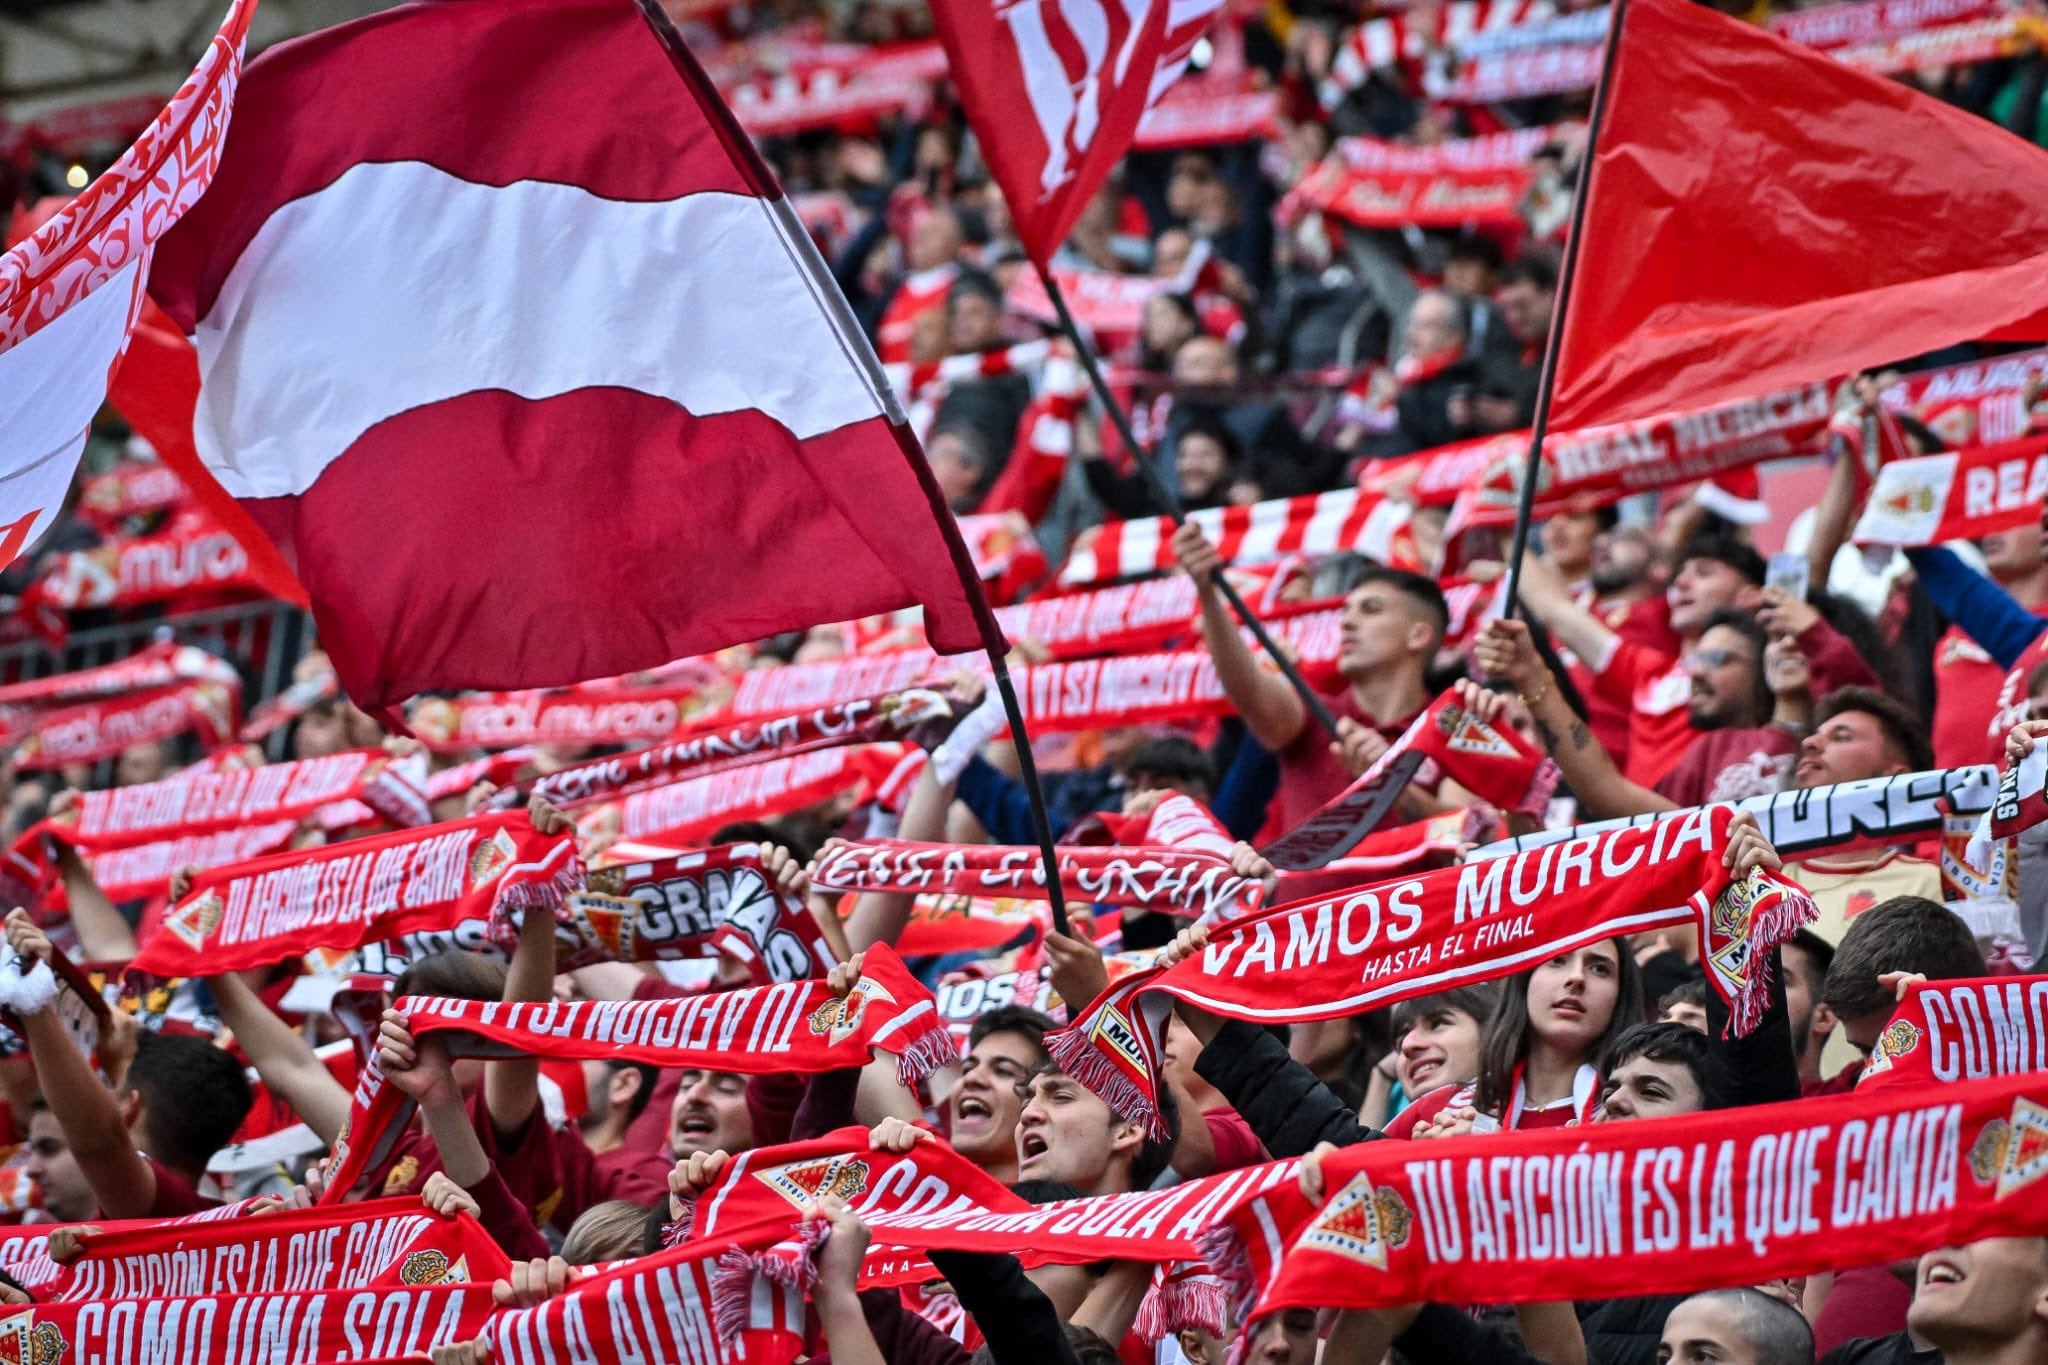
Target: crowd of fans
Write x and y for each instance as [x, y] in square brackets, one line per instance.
[1657, 663]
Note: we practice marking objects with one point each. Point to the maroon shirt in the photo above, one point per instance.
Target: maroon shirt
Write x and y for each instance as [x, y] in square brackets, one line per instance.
[1728, 765]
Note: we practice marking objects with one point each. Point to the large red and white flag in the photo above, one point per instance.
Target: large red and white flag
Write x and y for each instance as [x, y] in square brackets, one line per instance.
[70, 292]
[509, 340]
[1084, 71]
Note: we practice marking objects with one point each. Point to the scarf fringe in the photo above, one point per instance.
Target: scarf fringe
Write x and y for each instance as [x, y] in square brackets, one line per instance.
[1231, 1260]
[1071, 1049]
[546, 892]
[28, 992]
[931, 1049]
[677, 1231]
[1773, 922]
[1175, 1304]
[787, 1263]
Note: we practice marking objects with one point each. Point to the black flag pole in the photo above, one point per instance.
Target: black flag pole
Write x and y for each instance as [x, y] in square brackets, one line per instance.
[1539, 426]
[805, 251]
[1166, 497]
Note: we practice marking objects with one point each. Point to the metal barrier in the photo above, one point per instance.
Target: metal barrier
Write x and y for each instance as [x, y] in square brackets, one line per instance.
[264, 640]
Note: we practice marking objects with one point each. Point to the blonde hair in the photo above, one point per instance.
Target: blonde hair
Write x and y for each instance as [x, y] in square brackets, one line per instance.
[610, 1231]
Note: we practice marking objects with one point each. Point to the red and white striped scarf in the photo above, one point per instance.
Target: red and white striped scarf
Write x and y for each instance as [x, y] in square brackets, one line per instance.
[688, 905]
[799, 1027]
[1347, 519]
[343, 896]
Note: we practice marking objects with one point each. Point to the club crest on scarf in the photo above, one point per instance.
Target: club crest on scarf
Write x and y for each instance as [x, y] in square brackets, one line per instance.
[1899, 1038]
[195, 921]
[1467, 734]
[24, 1341]
[1364, 1222]
[1728, 949]
[836, 1019]
[491, 858]
[806, 1182]
[426, 1268]
[2012, 1154]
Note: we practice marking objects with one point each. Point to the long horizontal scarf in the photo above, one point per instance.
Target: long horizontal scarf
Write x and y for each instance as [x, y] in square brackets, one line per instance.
[765, 692]
[689, 905]
[799, 1027]
[1189, 884]
[651, 1308]
[160, 665]
[129, 489]
[145, 869]
[194, 555]
[1122, 618]
[382, 1242]
[727, 745]
[345, 895]
[93, 730]
[1840, 817]
[1392, 852]
[1654, 1206]
[690, 810]
[385, 1321]
[500, 720]
[1947, 1031]
[186, 805]
[1364, 949]
[1956, 495]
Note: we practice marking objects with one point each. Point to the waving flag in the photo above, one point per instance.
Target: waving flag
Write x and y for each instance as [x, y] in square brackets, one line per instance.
[1085, 70]
[510, 342]
[70, 292]
[1833, 176]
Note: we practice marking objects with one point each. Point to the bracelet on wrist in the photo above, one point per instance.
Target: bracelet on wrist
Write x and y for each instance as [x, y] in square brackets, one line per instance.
[1541, 693]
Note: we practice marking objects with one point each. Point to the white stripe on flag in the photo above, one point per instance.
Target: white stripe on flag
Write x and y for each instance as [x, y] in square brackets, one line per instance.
[1264, 535]
[1143, 547]
[606, 293]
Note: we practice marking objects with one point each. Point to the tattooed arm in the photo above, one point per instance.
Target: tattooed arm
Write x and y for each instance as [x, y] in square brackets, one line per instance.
[1504, 650]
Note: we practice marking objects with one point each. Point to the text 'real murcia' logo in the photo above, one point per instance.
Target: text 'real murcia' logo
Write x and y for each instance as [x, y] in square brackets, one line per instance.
[1363, 1223]
[836, 1020]
[1899, 1039]
[24, 1341]
[194, 923]
[492, 857]
[1114, 1028]
[427, 1268]
[806, 1182]
[2012, 1154]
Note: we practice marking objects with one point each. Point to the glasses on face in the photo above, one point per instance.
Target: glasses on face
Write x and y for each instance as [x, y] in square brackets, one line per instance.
[1714, 658]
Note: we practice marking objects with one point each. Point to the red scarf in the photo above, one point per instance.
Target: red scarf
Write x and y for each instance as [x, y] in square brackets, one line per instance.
[1957, 495]
[939, 925]
[1193, 885]
[1390, 852]
[192, 555]
[201, 804]
[651, 1308]
[1119, 619]
[691, 905]
[345, 895]
[688, 811]
[145, 869]
[1359, 950]
[160, 665]
[800, 1028]
[383, 1242]
[734, 745]
[1654, 1206]
[499, 720]
[387, 1321]
[1945, 1031]
[129, 489]
[764, 692]
[94, 730]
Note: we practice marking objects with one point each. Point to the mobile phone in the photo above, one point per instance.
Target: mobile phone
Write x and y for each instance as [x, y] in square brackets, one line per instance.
[1787, 571]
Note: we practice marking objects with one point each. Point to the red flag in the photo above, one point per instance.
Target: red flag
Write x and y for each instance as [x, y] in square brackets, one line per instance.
[1760, 216]
[1084, 71]
[510, 342]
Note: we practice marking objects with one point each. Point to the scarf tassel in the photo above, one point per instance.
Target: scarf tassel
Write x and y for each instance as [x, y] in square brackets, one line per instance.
[1174, 1304]
[545, 893]
[932, 1048]
[1076, 1055]
[787, 1264]
[1773, 921]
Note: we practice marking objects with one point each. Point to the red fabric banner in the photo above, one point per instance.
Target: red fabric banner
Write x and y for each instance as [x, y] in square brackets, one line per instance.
[345, 895]
[129, 489]
[1655, 1206]
[1840, 277]
[1381, 184]
[159, 665]
[145, 869]
[192, 555]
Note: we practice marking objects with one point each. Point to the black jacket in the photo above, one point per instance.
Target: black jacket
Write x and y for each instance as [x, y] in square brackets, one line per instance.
[1286, 1106]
